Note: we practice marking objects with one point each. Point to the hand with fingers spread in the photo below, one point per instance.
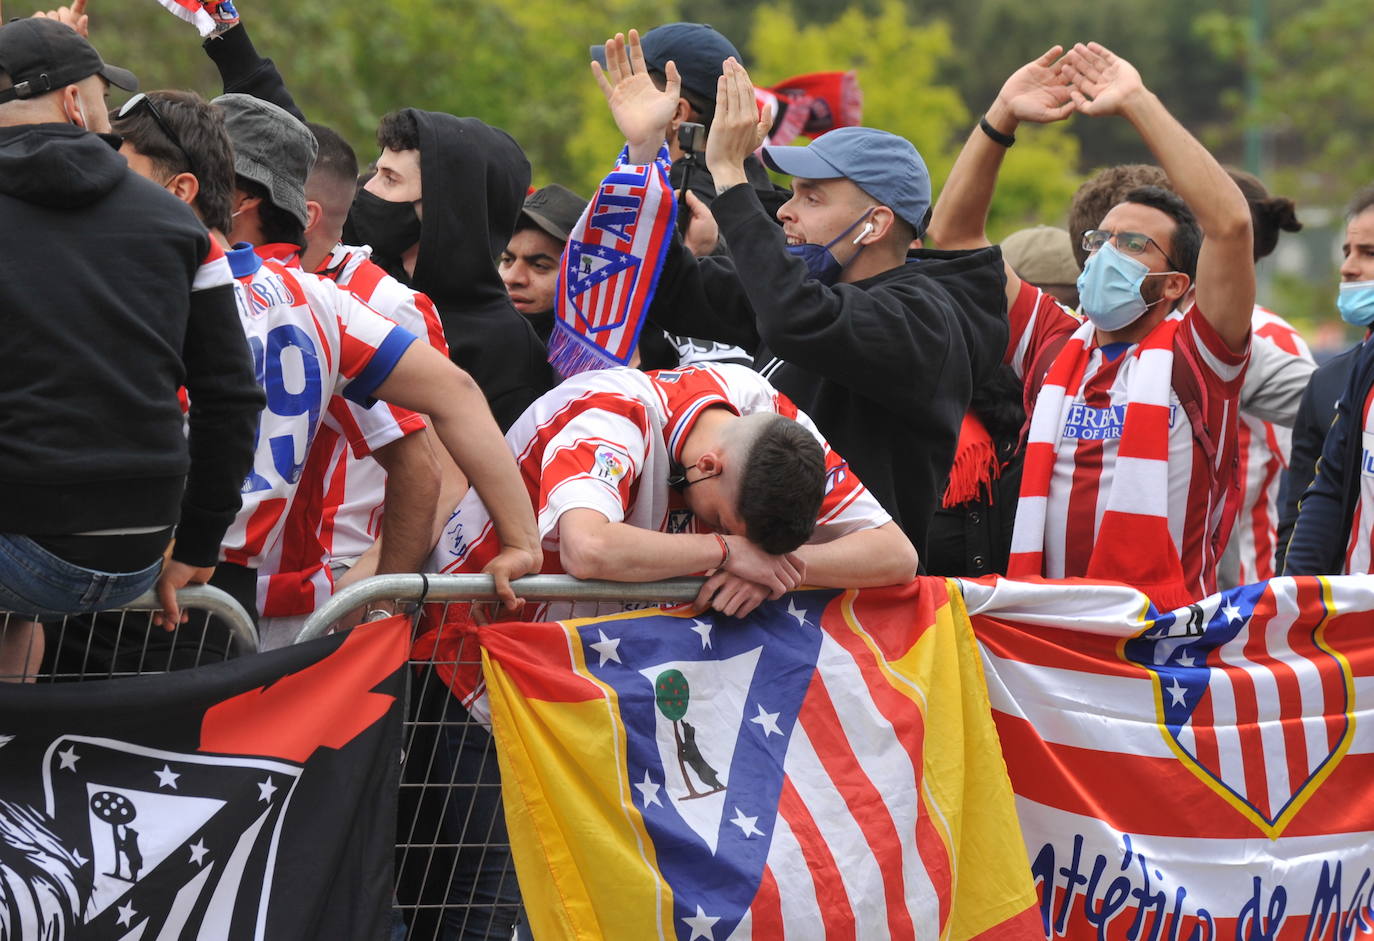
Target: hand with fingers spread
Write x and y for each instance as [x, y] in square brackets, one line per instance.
[1102, 83]
[73, 16]
[737, 130]
[641, 111]
[1039, 91]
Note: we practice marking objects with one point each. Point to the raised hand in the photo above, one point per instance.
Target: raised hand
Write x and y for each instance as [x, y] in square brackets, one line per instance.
[641, 111]
[73, 16]
[1039, 91]
[737, 130]
[1102, 83]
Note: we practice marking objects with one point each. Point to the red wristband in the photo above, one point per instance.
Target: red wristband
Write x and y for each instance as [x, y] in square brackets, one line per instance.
[724, 550]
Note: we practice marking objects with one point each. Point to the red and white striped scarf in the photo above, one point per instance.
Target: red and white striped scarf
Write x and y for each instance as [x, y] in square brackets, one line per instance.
[1133, 543]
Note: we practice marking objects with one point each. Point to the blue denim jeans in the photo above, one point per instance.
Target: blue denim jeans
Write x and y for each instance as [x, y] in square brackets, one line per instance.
[37, 584]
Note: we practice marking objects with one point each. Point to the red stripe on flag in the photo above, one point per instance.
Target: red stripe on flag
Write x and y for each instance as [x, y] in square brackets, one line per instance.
[871, 610]
[766, 910]
[866, 805]
[1060, 649]
[536, 658]
[837, 916]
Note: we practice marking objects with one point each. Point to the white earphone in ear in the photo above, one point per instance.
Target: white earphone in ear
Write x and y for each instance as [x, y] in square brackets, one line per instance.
[868, 227]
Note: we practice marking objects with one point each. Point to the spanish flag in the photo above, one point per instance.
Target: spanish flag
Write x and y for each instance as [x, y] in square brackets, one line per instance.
[826, 767]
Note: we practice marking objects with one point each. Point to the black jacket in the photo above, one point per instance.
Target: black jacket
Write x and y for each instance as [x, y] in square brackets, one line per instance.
[474, 179]
[884, 366]
[1313, 420]
[1321, 532]
[101, 327]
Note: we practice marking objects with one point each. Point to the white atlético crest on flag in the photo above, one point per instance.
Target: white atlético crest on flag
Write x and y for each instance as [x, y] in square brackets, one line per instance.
[154, 844]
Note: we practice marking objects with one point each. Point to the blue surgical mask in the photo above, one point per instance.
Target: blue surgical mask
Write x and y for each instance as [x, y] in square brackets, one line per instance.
[821, 264]
[1109, 288]
[1356, 302]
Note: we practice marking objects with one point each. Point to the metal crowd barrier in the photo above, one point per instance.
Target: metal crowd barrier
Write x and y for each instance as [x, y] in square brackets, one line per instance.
[124, 642]
[454, 876]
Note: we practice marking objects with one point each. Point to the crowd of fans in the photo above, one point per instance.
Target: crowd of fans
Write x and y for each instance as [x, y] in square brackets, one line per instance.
[231, 359]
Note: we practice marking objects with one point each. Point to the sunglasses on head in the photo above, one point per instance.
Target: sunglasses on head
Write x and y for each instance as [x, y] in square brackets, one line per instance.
[142, 102]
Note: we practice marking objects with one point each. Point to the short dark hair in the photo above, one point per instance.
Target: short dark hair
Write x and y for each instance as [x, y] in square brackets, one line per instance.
[1186, 240]
[1269, 215]
[398, 130]
[707, 109]
[199, 127]
[335, 156]
[1101, 192]
[781, 486]
[1362, 200]
[276, 223]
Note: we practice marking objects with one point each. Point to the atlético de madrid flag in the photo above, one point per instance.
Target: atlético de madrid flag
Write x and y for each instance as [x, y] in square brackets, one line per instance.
[252, 799]
[824, 768]
[1206, 773]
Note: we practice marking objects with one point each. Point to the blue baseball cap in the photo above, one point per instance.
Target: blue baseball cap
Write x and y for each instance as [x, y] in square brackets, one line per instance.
[698, 50]
[883, 165]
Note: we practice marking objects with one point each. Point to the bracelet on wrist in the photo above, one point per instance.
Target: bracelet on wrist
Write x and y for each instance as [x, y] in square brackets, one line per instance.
[724, 551]
[1006, 140]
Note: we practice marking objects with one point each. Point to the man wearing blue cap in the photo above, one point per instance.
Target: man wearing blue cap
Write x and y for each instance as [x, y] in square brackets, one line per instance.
[881, 345]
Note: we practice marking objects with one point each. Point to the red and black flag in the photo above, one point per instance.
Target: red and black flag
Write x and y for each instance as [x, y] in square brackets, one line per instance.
[254, 798]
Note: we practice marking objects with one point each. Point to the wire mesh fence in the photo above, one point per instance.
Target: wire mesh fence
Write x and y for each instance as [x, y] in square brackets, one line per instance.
[455, 879]
[124, 642]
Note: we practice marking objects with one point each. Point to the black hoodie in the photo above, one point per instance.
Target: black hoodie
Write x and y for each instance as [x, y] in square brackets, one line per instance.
[473, 180]
[101, 327]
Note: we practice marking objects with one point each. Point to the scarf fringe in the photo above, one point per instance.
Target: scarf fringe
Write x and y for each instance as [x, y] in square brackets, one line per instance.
[976, 465]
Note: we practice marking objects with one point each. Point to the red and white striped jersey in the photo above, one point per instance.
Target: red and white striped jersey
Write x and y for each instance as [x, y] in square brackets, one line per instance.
[1263, 453]
[337, 512]
[310, 341]
[607, 439]
[1089, 441]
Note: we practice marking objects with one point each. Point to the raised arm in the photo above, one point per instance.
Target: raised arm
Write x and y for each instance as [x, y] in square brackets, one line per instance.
[1105, 84]
[1036, 92]
[641, 111]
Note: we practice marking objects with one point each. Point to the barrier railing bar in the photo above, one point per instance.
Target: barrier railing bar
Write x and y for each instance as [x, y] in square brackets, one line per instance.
[213, 600]
[480, 588]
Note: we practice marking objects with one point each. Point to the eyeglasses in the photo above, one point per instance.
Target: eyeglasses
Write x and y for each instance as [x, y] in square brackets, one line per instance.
[679, 482]
[142, 102]
[1132, 243]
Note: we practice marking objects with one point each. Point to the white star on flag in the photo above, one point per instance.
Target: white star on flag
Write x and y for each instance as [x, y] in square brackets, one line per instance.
[266, 789]
[1231, 612]
[126, 914]
[746, 824]
[198, 851]
[796, 612]
[167, 777]
[701, 925]
[1185, 659]
[648, 790]
[608, 648]
[768, 721]
[704, 629]
[69, 758]
[1179, 694]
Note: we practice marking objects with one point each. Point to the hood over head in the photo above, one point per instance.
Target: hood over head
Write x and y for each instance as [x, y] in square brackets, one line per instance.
[57, 165]
[473, 181]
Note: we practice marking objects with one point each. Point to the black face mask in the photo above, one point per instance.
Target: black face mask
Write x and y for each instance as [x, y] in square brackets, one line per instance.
[390, 228]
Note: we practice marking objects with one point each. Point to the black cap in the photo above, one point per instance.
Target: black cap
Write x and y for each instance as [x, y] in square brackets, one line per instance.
[42, 55]
[698, 50]
[554, 209]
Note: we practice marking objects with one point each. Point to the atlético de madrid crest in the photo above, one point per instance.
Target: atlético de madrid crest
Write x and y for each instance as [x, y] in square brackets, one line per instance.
[1236, 683]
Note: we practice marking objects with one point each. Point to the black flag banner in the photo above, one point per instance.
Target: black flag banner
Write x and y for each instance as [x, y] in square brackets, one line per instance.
[251, 799]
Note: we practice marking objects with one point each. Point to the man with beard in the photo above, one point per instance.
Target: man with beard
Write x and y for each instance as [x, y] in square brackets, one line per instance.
[1130, 457]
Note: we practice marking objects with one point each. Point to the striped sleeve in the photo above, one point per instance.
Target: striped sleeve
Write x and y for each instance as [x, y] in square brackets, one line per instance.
[1223, 368]
[213, 271]
[1036, 319]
